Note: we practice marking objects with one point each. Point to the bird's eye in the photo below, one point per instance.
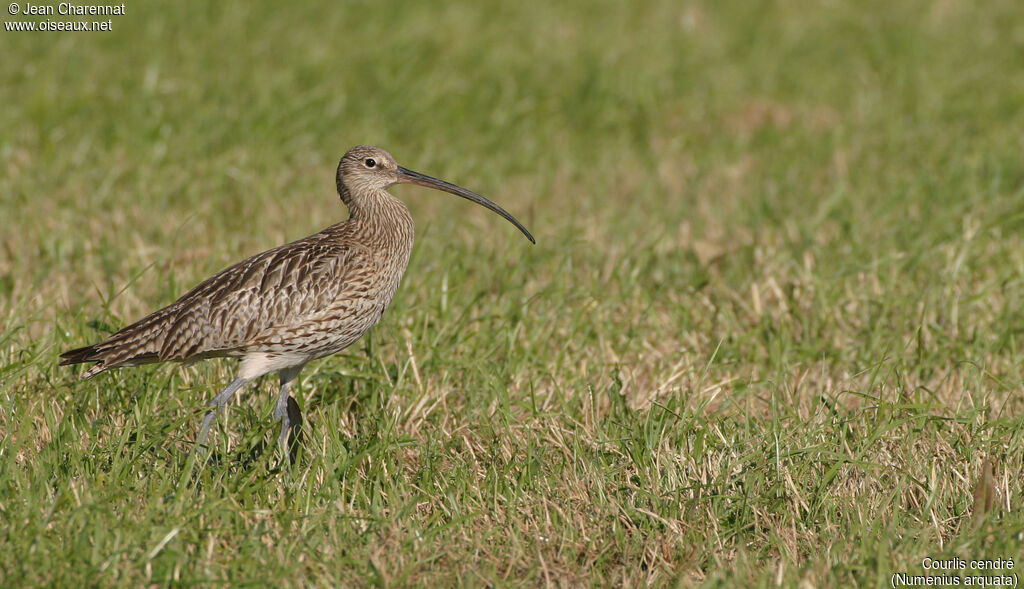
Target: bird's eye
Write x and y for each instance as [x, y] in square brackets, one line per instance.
[370, 162]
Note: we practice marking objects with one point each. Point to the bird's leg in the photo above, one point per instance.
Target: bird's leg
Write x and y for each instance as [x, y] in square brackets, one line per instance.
[214, 408]
[281, 412]
[289, 424]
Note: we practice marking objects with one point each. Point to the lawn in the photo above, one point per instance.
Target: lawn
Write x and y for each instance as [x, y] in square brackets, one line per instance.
[772, 331]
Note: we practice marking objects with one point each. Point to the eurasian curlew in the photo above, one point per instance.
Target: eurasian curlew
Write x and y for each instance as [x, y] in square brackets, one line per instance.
[287, 306]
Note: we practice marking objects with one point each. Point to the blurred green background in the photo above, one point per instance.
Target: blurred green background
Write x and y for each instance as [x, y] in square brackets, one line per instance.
[769, 334]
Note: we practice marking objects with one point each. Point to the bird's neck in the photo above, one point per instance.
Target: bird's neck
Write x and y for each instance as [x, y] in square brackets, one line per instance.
[378, 216]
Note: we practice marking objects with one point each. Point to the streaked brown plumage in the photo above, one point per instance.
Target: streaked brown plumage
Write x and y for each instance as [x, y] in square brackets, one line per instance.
[282, 308]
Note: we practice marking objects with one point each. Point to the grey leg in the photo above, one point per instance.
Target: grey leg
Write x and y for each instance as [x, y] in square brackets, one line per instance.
[289, 423]
[215, 404]
[291, 431]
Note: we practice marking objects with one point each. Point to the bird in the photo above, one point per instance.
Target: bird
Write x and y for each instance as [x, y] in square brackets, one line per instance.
[280, 309]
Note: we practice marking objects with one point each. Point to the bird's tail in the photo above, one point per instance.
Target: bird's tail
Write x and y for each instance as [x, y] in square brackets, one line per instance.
[83, 355]
[131, 346]
[105, 359]
[78, 356]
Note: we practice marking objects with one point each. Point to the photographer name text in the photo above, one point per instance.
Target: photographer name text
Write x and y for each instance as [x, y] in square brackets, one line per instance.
[66, 8]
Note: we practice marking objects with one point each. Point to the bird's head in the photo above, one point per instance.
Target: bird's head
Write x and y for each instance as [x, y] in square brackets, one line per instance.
[367, 168]
[366, 171]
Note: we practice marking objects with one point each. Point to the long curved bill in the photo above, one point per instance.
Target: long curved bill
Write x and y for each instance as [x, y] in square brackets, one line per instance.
[407, 176]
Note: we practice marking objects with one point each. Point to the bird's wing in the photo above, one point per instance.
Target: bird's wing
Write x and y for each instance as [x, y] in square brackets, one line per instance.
[287, 285]
[277, 288]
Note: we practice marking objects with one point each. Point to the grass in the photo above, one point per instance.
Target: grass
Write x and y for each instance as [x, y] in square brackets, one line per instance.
[771, 332]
